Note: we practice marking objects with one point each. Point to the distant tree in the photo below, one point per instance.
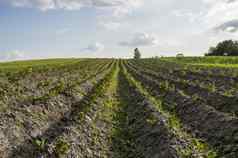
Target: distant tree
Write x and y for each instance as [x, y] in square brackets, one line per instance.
[137, 54]
[211, 50]
[179, 55]
[225, 48]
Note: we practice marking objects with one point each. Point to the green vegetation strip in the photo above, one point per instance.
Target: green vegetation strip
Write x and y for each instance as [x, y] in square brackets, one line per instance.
[204, 60]
[99, 91]
[122, 139]
[175, 124]
[106, 116]
[215, 65]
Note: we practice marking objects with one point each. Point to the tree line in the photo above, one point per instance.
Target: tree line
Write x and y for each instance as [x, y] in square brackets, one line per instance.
[224, 48]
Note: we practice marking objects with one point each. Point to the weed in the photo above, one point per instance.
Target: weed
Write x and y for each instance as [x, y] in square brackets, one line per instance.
[40, 144]
[152, 120]
[212, 87]
[62, 147]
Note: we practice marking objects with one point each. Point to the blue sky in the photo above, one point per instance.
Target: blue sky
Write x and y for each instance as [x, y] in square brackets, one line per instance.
[112, 28]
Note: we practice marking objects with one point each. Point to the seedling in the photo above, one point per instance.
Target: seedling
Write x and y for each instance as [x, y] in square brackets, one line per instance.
[40, 144]
[152, 120]
[62, 148]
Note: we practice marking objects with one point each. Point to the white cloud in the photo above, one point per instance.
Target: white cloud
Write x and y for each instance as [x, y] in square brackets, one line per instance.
[230, 27]
[41, 4]
[118, 7]
[217, 1]
[191, 16]
[110, 25]
[13, 55]
[95, 47]
[220, 11]
[141, 39]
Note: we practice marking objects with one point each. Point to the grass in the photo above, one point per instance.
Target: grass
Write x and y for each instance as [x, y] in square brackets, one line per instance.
[43, 62]
[212, 61]
[216, 65]
[204, 60]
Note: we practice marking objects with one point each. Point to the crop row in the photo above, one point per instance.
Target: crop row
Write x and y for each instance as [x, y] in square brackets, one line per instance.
[117, 109]
[155, 132]
[222, 83]
[208, 68]
[203, 121]
[221, 102]
[33, 89]
[22, 126]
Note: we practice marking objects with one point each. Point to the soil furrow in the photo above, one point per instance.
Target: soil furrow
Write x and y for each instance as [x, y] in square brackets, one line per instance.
[30, 130]
[223, 84]
[158, 133]
[114, 109]
[218, 129]
[219, 102]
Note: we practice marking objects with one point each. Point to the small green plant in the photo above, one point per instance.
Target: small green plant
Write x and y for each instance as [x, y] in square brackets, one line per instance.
[201, 146]
[81, 115]
[40, 144]
[172, 88]
[164, 85]
[174, 122]
[182, 93]
[43, 84]
[62, 147]
[183, 72]
[212, 87]
[195, 97]
[57, 89]
[212, 154]
[229, 92]
[152, 120]
[185, 153]
[40, 99]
